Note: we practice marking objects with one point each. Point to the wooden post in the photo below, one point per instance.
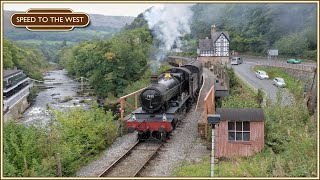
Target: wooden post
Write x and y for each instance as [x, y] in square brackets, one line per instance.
[26, 173]
[59, 169]
[136, 101]
[121, 109]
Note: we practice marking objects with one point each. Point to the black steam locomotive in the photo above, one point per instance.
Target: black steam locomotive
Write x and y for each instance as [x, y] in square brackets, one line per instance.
[165, 99]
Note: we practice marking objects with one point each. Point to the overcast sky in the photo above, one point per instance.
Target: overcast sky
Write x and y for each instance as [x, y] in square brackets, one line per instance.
[115, 9]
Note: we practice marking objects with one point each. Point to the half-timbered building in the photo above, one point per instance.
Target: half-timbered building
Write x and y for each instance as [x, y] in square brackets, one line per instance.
[215, 49]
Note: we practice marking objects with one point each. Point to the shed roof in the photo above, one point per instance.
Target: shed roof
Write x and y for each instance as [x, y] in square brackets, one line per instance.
[8, 73]
[240, 114]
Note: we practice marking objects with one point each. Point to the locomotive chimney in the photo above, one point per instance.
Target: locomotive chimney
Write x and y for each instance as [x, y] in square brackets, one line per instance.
[153, 79]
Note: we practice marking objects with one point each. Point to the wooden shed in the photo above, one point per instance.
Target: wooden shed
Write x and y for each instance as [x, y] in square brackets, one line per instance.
[240, 132]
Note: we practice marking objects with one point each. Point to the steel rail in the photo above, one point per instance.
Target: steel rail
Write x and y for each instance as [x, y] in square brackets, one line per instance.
[137, 173]
[105, 172]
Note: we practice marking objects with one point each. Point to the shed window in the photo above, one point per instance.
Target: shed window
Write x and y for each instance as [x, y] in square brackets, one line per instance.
[239, 131]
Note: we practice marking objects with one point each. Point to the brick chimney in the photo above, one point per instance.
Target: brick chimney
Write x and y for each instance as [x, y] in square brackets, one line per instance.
[213, 29]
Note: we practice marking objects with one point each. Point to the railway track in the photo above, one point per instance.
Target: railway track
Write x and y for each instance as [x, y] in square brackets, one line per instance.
[132, 162]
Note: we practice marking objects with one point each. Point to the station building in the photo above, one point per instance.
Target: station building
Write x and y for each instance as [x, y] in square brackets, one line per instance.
[16, 88]
[215, 49]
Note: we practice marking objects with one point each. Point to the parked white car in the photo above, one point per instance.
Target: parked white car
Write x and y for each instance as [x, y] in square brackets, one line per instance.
[262, 75]
[236, 61]
[279, 82]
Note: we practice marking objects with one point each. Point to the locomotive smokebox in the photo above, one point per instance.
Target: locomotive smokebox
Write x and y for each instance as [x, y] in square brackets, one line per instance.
[154, 79]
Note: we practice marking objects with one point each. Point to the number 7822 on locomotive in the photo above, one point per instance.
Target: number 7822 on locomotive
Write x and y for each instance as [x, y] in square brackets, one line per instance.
[165, 100]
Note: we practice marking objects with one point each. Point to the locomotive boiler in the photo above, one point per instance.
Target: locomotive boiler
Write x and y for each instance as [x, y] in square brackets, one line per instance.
[164, 101]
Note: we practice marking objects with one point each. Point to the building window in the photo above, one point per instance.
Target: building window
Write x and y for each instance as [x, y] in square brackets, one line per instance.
[239, 131]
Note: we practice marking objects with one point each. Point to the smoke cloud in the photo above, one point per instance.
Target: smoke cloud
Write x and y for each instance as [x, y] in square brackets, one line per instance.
[168, 24]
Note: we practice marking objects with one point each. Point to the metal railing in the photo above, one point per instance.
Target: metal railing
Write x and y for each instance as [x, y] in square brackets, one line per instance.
[15, 82]
[12, 100]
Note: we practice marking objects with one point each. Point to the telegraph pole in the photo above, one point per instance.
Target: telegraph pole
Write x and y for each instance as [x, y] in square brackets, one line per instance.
[212, 150]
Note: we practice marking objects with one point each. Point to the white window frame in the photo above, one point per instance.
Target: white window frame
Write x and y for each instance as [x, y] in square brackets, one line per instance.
[235, 131]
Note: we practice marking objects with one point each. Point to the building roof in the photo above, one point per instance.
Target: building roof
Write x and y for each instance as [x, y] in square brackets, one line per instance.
[205, 45]
[240, 114]
[216, 35]
[8, 73]
[208, 44]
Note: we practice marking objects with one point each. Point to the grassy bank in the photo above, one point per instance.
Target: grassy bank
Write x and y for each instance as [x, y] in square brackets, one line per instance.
[241, 95]
[293, 85]
[290, 142]
[59, 148]
[290, 149]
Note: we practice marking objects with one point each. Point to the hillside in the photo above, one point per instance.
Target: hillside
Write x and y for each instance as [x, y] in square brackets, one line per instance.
[255, 28]
[101, 27]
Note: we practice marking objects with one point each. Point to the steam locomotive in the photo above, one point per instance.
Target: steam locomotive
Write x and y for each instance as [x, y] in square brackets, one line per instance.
[165, 100]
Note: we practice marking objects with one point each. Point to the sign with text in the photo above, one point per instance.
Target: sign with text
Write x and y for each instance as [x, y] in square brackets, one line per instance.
[50, 19]
[273, 52]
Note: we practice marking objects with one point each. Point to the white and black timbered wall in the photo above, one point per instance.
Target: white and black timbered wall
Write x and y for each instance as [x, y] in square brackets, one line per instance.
[221, 46]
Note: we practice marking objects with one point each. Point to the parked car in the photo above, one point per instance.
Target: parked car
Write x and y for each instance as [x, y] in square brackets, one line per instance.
[236, 60]
[279, 82]
[294, 61]
[262, 75]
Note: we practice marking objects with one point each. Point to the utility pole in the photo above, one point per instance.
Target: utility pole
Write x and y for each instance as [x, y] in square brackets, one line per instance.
[213, 119]
[212, 150]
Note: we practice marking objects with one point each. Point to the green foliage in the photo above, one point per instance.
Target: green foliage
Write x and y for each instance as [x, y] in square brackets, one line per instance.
[49, 49]
[138, 22]
[33, 94]
[233, 80]
[290, 148]
[111, 65]
[31, 60]
[74, 137]
[294, 85]
[255, 28]
[299, 44]
[241, 96]
[199, 169]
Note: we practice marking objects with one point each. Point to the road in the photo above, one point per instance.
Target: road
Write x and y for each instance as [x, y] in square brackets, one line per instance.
[255, 60]
[244, 71]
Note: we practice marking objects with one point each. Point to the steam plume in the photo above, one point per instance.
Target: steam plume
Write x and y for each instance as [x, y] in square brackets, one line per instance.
[168, 23]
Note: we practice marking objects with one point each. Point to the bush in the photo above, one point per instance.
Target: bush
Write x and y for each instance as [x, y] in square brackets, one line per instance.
[311, 55]
[241, 96]
[290, 148]
[70, 139]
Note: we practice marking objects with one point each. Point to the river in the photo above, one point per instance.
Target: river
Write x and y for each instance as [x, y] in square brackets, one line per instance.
[62, 87]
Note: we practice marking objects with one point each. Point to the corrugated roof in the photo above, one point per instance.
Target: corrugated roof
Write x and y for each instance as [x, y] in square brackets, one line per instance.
[240, 114]
[8, 73]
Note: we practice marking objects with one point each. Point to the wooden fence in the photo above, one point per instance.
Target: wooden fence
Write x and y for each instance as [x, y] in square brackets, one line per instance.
[208, 108]
[124, 102]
